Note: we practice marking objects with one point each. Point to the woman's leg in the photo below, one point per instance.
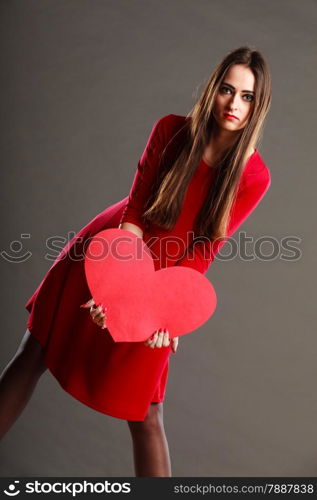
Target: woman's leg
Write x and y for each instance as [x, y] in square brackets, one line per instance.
[150, 447]
[19, 379]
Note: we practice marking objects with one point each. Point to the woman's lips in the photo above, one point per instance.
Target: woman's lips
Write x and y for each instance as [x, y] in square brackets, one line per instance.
[230, 117]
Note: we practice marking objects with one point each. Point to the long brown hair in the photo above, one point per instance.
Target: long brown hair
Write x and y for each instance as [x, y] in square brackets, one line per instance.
[166, 201]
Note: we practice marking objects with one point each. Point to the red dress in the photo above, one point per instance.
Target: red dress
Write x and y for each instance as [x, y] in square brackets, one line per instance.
[122, 379]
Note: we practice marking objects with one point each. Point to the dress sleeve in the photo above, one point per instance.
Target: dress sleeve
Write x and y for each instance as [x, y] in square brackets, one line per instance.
[145, 175]
[202, 254]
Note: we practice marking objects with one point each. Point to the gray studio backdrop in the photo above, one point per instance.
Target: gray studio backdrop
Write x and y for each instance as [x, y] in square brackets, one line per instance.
[82, 84]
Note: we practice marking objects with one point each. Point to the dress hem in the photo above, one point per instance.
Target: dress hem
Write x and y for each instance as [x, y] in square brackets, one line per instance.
[81, 399]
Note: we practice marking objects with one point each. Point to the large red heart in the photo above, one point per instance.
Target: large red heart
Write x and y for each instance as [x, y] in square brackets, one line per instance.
[121, 275]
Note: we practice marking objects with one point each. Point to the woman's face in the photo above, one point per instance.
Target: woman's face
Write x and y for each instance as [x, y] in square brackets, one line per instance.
[235, 97]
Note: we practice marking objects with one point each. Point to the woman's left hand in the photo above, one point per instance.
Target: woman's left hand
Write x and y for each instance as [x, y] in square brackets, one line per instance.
[160, 338]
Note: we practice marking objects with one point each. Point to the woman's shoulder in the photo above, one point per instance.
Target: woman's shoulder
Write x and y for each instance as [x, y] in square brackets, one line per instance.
[172, 119]
[171, 123]
[256, 165]
[256, 171]
[170, 130]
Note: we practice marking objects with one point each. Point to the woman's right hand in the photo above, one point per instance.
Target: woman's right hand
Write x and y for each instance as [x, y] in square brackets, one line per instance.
[98, 314]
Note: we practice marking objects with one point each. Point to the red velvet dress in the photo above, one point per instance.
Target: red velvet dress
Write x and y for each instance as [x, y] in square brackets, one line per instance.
[122, 379]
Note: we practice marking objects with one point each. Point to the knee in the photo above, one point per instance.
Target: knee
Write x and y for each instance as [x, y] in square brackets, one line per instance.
[152, 423]
[31, 352]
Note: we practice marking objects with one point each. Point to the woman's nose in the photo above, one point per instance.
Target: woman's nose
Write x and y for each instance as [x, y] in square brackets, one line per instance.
[233, 103]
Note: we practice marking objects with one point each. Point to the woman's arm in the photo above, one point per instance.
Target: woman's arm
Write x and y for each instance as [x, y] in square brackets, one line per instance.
[202, 254]
[131, 219]
[146, 172]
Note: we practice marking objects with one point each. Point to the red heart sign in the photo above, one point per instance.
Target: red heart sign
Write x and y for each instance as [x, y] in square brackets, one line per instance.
[121, 275]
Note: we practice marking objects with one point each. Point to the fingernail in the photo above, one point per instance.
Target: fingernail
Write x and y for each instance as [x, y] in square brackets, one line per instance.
[82, 305]
[165, 330]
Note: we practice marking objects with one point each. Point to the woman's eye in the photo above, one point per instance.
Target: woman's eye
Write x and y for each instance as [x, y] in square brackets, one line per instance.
[249, 95]
[224, 89]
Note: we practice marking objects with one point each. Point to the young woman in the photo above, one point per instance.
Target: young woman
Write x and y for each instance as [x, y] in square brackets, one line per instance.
[199, 177]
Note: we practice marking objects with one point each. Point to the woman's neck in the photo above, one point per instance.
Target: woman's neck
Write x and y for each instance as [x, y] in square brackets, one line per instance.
[217, 145]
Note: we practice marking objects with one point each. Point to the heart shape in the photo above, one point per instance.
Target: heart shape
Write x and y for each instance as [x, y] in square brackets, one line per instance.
[121, 275]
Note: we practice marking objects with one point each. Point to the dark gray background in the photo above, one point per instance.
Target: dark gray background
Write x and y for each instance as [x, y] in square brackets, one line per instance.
[82, 84]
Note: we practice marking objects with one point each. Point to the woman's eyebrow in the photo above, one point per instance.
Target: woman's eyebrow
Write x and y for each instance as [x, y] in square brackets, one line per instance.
[229, 85]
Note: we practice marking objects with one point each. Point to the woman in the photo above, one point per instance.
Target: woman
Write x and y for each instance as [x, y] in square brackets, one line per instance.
[198, 179]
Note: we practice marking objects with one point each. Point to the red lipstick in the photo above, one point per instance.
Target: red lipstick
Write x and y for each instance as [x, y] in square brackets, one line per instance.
[230, 117]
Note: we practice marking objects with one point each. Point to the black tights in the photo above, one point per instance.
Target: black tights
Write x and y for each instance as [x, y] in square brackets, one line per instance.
[17, 383]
